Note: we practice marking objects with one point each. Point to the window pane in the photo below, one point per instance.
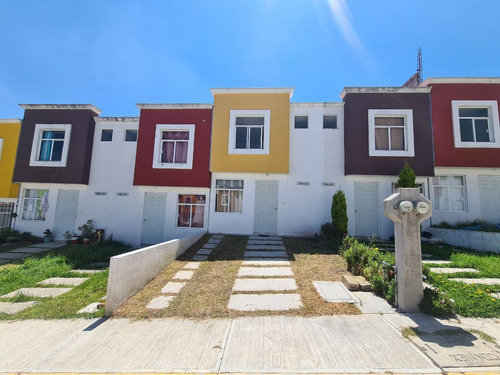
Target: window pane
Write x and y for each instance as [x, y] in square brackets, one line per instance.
[236, 201]
[249, 120]
[197, 216]
[482, 133]
[184, 215]
[473, 112]
[28, 209]
[301, 122]
[167, 155]
[466, 130]
[381, 139]
[229, 184]
[57, 151]
[397, 139]
[177, 136]
[255, 138]
[392, 121]
[329, 122]
[107, 135]
[200, 199]
[45, 148]
[221, 201]
[457, 202]
[130, 135]
[58, 135]
[441, 201]
[181, 152]
[241, 137]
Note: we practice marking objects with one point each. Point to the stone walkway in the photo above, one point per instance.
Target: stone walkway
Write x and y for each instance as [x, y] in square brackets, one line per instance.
[181, 278]
[27, 251]
[265, 279]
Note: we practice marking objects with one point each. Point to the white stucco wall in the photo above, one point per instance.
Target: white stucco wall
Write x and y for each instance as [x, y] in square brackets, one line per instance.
[316, 157]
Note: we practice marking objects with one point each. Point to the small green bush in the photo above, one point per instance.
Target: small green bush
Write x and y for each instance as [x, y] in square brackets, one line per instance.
[437, 303]
[327, 230]
[339, 213]
[407, 177]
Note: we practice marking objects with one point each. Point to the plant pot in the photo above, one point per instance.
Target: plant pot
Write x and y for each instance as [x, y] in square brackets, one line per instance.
[47, 239]
[74, 239]
[86, 241]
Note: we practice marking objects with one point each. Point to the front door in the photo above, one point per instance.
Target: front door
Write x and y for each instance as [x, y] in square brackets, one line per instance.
[66, 211]
[266, 207]
[153, 220]
[366, 203]
[489, 196]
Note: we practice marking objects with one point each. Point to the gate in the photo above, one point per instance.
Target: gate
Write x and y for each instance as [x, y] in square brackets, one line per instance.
[6, 211]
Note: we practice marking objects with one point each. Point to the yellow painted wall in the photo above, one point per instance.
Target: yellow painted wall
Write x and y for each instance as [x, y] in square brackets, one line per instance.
[9, 131]
[277, 160]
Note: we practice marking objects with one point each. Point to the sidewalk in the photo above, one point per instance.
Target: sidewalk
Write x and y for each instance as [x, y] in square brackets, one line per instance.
[327, 344]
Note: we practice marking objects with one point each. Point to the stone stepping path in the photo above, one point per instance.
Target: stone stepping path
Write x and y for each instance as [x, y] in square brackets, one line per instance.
[428, 261]
[86, 271]
[174, 287]
[28, 251]
[73, 281]
[453, 270]
[37, 292]
[90, 309]
[485, 281]
[15, 307]
[335, 292]
[265, 268]
[11, 256]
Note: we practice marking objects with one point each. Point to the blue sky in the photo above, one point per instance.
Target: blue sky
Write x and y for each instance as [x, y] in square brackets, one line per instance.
[114, 54]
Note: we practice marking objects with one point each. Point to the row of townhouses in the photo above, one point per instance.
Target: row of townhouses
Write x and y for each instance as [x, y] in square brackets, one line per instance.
[253, 161]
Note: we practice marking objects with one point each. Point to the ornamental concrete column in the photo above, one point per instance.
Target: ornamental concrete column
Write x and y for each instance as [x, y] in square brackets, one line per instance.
[407, 209]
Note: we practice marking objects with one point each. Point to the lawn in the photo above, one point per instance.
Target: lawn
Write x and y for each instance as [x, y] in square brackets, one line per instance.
[59, 263]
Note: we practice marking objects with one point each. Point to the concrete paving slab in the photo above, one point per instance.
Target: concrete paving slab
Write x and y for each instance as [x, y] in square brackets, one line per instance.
[50, 245]
[372, 304]
[192, 265]
[100, 264]
[453, 270]
[199, 258]
[38, 292]
[73, 281]
[159, 303]
[490, 326]
[265, 254]
[214, 240]
[422, 322]
[184, 275]
[264, 238]
[217, 236]
[204, 252]
[265, 271]
[268, 302]
[29, 250]
[264, 242]
[495, 295]
[485, 281]
[90, 309]
[209, 246]
[429, 261]
[265, 247]
[267, 262]
[15, 307]
[87, 271]
[334, 291]
[458, 349]
[173, 287]
[262, 285]
[327, 344]
[10, 256]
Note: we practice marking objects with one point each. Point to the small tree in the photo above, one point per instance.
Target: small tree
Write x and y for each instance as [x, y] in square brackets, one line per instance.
[407, 177]
[339, 213]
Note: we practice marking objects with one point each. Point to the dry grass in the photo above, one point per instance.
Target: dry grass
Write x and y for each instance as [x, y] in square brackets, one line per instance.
[207, 294]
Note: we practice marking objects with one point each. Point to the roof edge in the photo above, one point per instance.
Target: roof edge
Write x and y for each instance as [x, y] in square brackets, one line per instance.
[317, 105]
[384, 90]
[117, 119]
[9, 121]
[62, 107]
[465, 80]
[253, 90]
[174, 105]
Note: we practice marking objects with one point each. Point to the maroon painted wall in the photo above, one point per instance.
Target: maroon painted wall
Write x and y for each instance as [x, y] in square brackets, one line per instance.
[357, 159]
[77, 168]
[446, 155]
[199, 176]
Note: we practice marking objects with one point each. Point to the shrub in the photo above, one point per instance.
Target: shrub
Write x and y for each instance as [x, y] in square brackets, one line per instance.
[407, 177]
[339, 213]
[88, 230]
[436, 303]
[327, 230]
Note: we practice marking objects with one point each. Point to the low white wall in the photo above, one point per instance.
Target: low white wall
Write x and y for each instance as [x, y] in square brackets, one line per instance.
[130, 272]
[471, 239]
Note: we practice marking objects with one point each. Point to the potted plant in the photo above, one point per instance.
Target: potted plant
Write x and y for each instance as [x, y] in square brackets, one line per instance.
[48, 236]
[88, 231]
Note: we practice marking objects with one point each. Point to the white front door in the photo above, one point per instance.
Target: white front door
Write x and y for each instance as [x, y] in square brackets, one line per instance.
[489, 196]
[266, 207]
[66, 211]
[366, 203]
[153, 219]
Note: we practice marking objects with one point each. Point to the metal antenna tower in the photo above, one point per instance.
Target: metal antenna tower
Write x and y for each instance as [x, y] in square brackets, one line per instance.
[419, 66]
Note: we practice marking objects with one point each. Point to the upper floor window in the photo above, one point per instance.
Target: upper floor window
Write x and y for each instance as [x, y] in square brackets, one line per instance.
[329, 122]
[249, 132]
[50, 145]
[174, 146]
[390, 132]
[475, 123]
[107, 135]
[449, 193]
[131, 135]
[301, 122]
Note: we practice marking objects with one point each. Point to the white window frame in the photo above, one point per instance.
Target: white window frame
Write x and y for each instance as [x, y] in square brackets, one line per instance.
[190, 217]
[227, 196]
[37, 139]
[1, 147]
[35, 200]
[408, 136]
[464, 193]
[160, 128]
[136, 135]
[232, 132]
[493, 123]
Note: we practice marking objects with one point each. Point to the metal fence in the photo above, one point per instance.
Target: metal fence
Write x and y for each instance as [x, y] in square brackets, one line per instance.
[6, 211]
